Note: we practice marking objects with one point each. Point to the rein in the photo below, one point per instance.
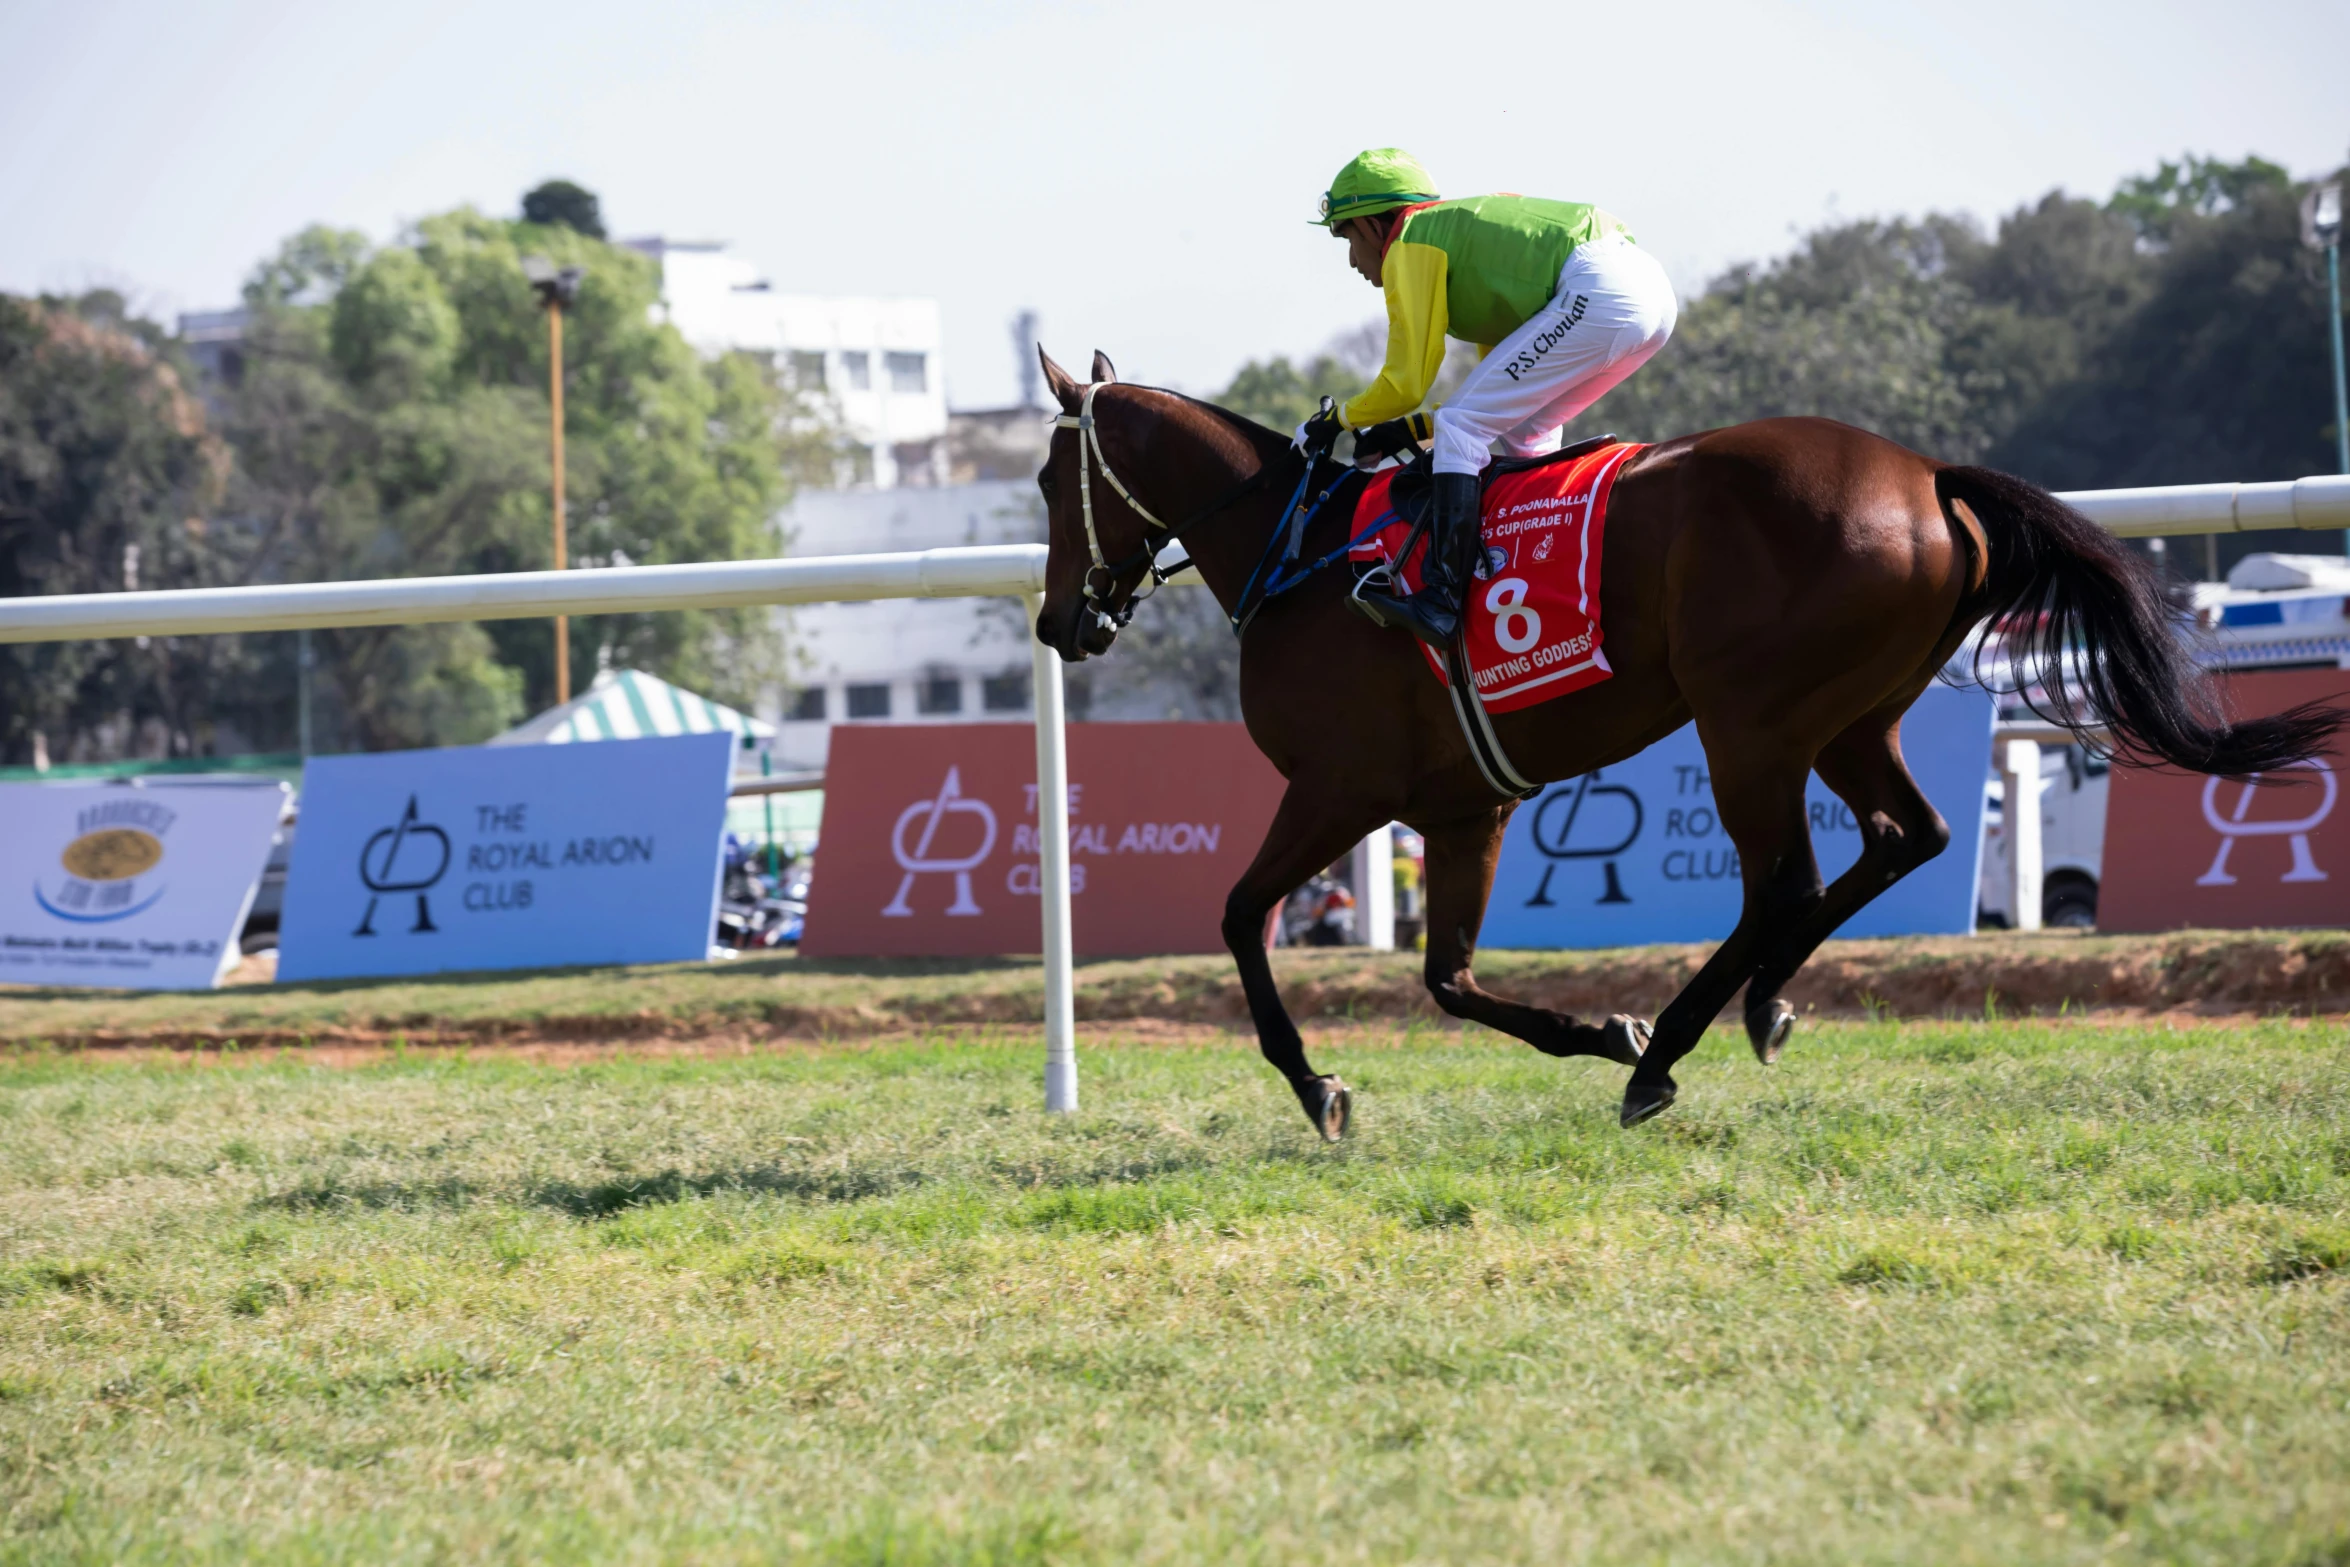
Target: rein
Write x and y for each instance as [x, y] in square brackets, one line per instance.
[1091, 456]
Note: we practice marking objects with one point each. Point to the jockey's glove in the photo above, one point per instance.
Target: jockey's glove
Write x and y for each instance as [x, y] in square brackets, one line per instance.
[1317, 435]
[1392, 439]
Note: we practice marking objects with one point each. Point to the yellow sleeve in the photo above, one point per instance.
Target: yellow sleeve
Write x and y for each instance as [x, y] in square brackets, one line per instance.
[1413, 278]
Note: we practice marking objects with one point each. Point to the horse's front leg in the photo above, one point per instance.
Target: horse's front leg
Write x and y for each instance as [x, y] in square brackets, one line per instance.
[1317, 822]
[1462, 857]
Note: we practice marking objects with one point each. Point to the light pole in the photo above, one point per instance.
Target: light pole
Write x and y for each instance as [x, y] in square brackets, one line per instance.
[557, 289]
[2321, 228]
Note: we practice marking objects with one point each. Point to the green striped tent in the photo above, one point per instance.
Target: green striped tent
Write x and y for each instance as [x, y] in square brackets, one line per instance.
[629, 704]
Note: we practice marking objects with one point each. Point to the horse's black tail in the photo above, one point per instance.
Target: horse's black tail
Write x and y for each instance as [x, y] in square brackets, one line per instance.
[2094, 643]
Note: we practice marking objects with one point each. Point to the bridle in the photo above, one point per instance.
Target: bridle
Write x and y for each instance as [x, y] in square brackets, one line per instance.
[1091, 456]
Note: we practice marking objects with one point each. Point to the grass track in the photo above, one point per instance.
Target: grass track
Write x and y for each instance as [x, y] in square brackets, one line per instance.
[1924, 1293]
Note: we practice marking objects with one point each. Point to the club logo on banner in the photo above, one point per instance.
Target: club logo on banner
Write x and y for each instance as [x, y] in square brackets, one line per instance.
[2185, 850]
[930, 844]
[520, 856]
[140, 886]
[2295, 830]
[924, 816]
[1637, 852]
[381, 869]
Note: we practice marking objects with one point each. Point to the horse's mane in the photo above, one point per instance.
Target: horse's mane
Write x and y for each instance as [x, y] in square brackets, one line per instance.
[1267, 444]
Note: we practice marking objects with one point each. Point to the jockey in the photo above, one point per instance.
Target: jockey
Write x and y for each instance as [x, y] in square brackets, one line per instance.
[1559, 302]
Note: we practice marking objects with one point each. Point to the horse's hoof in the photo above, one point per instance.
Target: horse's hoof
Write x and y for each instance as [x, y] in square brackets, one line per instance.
[1768, 1029]
[1336, 1109]
[1645, 1100]
[1625, 1039]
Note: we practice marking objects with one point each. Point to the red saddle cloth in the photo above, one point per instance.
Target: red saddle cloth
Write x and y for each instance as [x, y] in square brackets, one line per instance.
[1533, 609]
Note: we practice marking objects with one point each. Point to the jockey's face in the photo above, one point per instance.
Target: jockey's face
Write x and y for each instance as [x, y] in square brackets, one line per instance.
[1366, 240]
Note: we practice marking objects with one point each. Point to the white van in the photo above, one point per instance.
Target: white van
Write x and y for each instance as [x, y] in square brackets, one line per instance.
[2072, 841]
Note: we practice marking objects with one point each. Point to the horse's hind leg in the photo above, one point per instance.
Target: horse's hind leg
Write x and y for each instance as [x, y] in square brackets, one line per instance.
[1462, 857]
[1759, 801]
[1312, 828]
[1900, 831]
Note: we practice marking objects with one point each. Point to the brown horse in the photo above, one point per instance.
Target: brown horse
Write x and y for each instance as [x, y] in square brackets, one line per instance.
[1791, 585]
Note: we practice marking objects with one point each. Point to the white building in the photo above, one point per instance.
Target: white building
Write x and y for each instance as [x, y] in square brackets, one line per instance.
[877, 361]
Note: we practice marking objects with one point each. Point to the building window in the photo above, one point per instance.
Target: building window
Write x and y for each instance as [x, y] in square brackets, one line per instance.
[1006, 693]
[939, 694]
[859, 466]
[908, 372]
[869, 701]
[807, 370]
[856, 367]
[806, 707]
[913, 459]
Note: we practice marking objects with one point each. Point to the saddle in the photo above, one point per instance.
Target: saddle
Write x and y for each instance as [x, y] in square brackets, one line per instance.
[1414, 487]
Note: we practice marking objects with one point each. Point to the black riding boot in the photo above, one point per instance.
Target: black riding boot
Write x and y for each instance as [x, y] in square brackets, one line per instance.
[1434, 613]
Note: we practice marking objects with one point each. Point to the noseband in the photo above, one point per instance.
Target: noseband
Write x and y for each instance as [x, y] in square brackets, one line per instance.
[1091, 456]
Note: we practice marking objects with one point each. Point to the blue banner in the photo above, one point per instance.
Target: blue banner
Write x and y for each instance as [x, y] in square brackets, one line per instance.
[1636, 853]
[492, 857]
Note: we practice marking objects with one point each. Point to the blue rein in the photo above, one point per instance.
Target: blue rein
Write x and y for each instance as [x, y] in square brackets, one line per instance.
[1281, 553]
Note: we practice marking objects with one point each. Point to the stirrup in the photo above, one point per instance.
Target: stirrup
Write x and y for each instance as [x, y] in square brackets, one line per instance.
[1380, 579]
[1411, 612]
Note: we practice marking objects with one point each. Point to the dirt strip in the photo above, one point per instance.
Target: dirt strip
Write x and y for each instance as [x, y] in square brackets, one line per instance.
[2188, 975]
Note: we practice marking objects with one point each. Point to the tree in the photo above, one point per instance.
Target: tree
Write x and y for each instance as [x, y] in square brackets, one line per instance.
[1860, 324]
[2155, 203]
[1281, 396]
[2218, 370]
[392, 420]
[108, 475]
[561, 204]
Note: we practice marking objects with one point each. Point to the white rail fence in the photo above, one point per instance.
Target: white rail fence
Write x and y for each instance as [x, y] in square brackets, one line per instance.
[1015, 570]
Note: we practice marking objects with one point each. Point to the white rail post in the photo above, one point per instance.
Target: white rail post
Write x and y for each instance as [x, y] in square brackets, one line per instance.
[2020, 810]
[1052, 841]
[1373, 868]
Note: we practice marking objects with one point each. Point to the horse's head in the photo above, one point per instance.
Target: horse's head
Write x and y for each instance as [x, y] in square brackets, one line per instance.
[1100, 545]
[1131, 469]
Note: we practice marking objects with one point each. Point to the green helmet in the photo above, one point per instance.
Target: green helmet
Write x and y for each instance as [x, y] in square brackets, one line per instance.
[1380, 180]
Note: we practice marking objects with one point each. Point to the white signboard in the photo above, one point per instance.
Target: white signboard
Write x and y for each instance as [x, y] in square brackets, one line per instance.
[517, 856]
[140, 884]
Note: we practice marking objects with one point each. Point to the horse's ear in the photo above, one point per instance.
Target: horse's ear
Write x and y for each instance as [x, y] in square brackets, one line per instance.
[1103, 371]
[1064, 389]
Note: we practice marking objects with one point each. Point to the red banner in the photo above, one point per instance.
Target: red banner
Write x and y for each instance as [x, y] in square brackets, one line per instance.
[929, 845]
[2184, 850]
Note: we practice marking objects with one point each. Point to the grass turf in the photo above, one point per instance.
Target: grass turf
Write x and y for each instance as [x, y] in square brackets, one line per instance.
[2001, 1293]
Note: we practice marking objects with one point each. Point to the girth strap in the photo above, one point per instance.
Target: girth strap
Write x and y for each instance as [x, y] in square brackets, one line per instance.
[1477, 724]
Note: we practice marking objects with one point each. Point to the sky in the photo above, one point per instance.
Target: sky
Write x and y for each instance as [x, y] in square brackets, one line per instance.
[1141, 176]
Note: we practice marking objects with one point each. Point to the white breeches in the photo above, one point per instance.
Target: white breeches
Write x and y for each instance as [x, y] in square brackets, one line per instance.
[1614, 308]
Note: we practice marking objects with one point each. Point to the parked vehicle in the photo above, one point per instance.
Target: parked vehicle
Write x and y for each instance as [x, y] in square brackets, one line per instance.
[269, 898]
[2072, 841]
[756, 911]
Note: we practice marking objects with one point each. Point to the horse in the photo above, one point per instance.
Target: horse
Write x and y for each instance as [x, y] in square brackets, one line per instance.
[1790, 584]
